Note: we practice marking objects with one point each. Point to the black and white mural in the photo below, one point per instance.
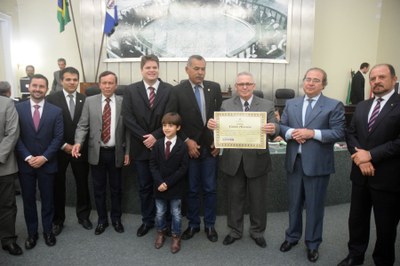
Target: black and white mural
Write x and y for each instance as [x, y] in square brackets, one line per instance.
[228, 30]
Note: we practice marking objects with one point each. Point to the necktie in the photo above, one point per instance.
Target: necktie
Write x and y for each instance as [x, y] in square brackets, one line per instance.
[152, 96]
[36, 117]
[308, 110]
[167, 149]
[374, 114]
[105, 133]
[246, 106]
[71, 105]
[198, 97]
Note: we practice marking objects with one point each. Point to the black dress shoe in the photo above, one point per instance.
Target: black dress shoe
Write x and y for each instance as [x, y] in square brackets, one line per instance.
[31, 241]
[86, 223]
[229, 240]
[350, 261]
[119, 228]
[286, 246]
[143, 229]
[260, 241]
[211, 234]
[100, 228]
[312, 255]
[49, 239]
[57, 228]
[189, 232]
[13, 249]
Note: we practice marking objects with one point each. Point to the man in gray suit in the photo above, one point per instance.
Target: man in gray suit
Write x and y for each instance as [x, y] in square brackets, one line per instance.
[9, 134]
[109, 144]
[247, 169]
[311, 124]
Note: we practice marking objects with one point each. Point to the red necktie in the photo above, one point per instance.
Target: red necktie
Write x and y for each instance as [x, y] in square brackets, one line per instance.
[374, 114]
[152, 96]
[105, 133]
[36, 116]
[167, 149]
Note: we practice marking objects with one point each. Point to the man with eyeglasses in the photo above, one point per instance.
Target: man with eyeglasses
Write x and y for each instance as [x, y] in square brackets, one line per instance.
[311, 125]
[247, 169]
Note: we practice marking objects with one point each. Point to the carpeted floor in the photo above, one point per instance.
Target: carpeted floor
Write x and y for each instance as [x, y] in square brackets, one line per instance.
[77, 246]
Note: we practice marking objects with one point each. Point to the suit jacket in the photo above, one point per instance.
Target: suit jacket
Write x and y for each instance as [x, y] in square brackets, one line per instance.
[46, 141]
[357, 88]
[171, 171]
[317, 156]
[140, 119]
[383, 142]
[58, 99]
[9, 134]
[183, 101]
[91, 122]
[56, 86]
[256, 162]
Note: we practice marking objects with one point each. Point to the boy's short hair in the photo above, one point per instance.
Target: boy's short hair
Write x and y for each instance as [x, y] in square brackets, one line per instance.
[172, 118]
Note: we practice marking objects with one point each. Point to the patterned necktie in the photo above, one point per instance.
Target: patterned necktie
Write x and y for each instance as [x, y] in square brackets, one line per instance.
[246, 106]
[374, 114]
[308, 110]
[71, 105]
[167, 149]
[198, 97]
[152, 96]
[105, 133]
[36, 116]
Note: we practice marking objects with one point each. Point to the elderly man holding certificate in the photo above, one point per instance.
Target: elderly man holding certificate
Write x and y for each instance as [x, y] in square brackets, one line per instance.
[246, 165]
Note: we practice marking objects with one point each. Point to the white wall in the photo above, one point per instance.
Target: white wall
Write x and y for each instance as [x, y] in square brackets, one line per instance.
[346, 33]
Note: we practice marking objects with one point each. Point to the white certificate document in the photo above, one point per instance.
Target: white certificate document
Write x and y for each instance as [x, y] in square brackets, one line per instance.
[240, 130]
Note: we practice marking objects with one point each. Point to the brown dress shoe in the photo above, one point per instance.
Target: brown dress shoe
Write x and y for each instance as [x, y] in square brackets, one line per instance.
[160, 239]
[175, 244]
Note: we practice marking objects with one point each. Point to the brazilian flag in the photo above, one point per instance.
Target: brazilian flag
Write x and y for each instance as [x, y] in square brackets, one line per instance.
[63, 13]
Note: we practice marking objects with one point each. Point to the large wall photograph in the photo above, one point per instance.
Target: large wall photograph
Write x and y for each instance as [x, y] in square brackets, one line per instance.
[228, 30]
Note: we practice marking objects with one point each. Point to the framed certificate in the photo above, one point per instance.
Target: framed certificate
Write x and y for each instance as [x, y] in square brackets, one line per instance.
[240, 130]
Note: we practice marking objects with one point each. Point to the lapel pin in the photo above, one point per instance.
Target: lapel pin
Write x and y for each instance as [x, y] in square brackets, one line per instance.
[208, 89]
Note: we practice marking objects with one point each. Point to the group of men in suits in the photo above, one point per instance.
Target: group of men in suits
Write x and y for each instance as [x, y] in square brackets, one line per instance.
[310, 124]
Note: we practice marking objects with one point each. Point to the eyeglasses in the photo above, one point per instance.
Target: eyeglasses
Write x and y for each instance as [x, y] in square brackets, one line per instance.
[310, 80]
[244, 84]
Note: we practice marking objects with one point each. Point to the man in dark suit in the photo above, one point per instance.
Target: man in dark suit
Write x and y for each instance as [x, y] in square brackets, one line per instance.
[373, 139]
[57, 85]
[143, 108]
[311, 125]
[109, 144]
[358, 84]
[9, 134]
[247, 169]
[196, 100]
[41, 136]
[71, 102]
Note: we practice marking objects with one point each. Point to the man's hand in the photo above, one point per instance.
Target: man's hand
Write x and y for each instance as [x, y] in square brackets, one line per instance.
[361, 156]
[212, 124]
[68, 148]
[163, 187]
[301, 135]
[127, 159]
[76, 150]
[149, 141]
[37, 161]
[367, 169]
[269, 128]
[214, 151]
[193, 149]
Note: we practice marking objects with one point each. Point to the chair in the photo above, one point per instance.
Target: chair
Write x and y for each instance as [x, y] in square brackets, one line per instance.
[92, 91]
[282, 95]
[258, 93]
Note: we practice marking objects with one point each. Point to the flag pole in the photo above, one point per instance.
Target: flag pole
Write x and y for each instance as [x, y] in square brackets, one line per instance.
[101, 49]
[77, 42]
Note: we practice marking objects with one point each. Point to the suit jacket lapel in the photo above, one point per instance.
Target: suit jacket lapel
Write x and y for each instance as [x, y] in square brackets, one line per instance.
[78, 106]
[392, 102]
[317, 109]
[298, 111]
[238, 104]
[143, 94]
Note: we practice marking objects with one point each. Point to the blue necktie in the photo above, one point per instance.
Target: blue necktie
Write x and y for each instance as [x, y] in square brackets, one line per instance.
[198, 97]
[308, 110]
